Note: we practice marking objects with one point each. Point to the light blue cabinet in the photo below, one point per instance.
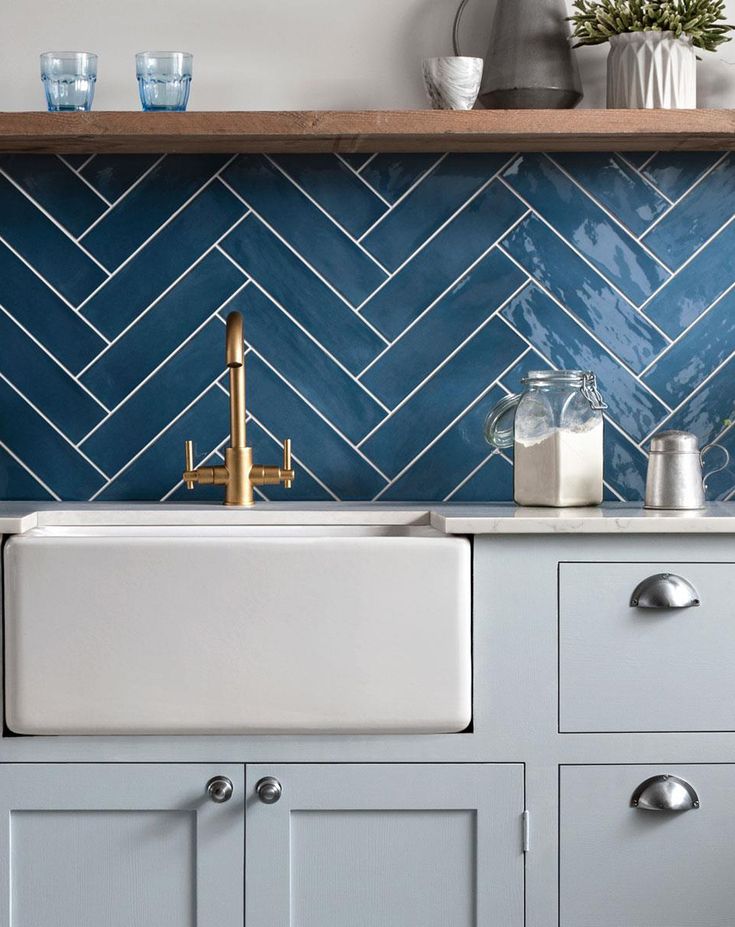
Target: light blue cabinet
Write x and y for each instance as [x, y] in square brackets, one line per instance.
[385, 845]
[120, 845]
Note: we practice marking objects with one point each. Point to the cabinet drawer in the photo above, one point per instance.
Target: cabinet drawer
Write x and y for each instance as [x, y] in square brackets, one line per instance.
[621, 866]
[628, 668]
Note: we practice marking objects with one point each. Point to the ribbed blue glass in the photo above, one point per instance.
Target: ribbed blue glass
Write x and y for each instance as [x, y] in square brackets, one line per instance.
[69, 80]
[164, 80]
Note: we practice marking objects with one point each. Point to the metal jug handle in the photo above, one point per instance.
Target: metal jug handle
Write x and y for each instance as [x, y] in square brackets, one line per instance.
[723, 466]
[494, 434]
[455, 28]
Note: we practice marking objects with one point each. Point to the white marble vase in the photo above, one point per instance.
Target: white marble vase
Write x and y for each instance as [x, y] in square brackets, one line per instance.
[452, 83]
[651, 70]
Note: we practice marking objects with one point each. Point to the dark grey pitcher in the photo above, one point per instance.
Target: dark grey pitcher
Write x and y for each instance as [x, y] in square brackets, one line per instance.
[530, 63]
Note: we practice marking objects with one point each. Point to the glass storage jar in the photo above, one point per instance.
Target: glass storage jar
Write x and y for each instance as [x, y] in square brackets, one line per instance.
[556, 431]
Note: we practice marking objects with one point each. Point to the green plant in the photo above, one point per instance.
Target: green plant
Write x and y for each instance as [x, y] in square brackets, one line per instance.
[703, 21]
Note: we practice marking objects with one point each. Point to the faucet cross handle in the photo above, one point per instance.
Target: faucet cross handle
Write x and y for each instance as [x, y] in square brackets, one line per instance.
[189, 462]
[288, 483]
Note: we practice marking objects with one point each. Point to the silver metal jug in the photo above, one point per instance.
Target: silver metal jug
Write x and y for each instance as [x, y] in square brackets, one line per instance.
[675, 466]
[530, 63]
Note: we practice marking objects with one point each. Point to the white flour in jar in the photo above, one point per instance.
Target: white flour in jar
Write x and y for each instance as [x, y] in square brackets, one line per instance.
[564, 468]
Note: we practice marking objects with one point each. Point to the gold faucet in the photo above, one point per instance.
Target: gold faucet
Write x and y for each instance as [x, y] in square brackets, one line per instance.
[239, 473]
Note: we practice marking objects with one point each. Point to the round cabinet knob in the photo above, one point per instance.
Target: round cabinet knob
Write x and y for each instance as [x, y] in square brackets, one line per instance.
[220, 789]
[269, 790]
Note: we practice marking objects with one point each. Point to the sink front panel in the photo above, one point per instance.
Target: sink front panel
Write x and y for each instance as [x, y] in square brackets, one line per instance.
[237, 630]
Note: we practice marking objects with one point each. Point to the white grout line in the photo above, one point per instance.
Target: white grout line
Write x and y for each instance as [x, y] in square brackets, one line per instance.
[155, 438]
[316, 411]
[611, 215]
[365, 163]
[54, 221]
[83, 178]
[28, 470]
[54, 359]
[122, 196]
[448, 427]
[444, 293]
[148, 377]
[577, 321]
[637, 310]
[686, 263]
[319, 345]
[642, 177]
[419, 180]
[301, 258]
[51, 425]
[324, 212]
[437, 232]
[362, 180]
[684, 332]
[163, 294]
[495, 452]
[154, 234]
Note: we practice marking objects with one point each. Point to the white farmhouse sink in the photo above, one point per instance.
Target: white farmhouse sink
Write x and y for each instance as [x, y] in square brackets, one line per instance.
[149, 630]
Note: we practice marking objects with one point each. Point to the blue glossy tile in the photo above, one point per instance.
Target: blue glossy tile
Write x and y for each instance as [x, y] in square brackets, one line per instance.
[44, 450]
[392, 175]
[705, 413]
[674, 172]
[453, 319]
[688, 362]
[445, 190]
[451, 390]
[166, 188]
[454, 456]
[113, 174]
[625, 466]
[158, 401]
[45, 384]
[324, 246]
[44, 315]
[356, 161]
[443, 260]
[696, 287]
[55, 256]
[159, 468]
[336, 188]
[163, 328]
[55, 187]
[320, 448]
[567, 346]
[547, 258]
[306, 367]
[582, 223]
[493, 482]
[289, 281]
[171, 252]
[696, 218]
[617, 186]
[16, 483]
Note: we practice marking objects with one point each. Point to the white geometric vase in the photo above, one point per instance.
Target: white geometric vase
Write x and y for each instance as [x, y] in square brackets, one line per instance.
[651, 70]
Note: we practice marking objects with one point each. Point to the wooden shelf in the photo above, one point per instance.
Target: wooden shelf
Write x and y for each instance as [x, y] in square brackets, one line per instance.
[417, 130]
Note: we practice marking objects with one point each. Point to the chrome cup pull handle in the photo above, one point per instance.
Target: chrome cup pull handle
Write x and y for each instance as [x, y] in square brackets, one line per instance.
[665, 590]
[665, 793]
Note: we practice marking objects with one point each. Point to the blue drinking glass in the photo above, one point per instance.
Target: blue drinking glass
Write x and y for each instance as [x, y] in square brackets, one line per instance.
[164, 79]
[69, 79]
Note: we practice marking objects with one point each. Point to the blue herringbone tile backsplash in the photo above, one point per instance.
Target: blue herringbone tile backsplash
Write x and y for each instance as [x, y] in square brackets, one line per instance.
[389, 301]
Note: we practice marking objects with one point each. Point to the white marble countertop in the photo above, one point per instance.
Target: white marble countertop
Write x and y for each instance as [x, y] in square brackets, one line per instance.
[491, 518]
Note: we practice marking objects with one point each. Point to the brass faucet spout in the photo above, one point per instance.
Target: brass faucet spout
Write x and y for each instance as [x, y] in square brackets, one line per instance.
[239, 474]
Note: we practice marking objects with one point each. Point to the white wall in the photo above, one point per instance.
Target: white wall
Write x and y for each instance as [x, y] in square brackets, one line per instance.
[274, 54]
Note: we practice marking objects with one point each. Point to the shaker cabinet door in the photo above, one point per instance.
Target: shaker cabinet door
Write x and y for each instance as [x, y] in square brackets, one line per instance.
[128, 845]
[384, 845]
